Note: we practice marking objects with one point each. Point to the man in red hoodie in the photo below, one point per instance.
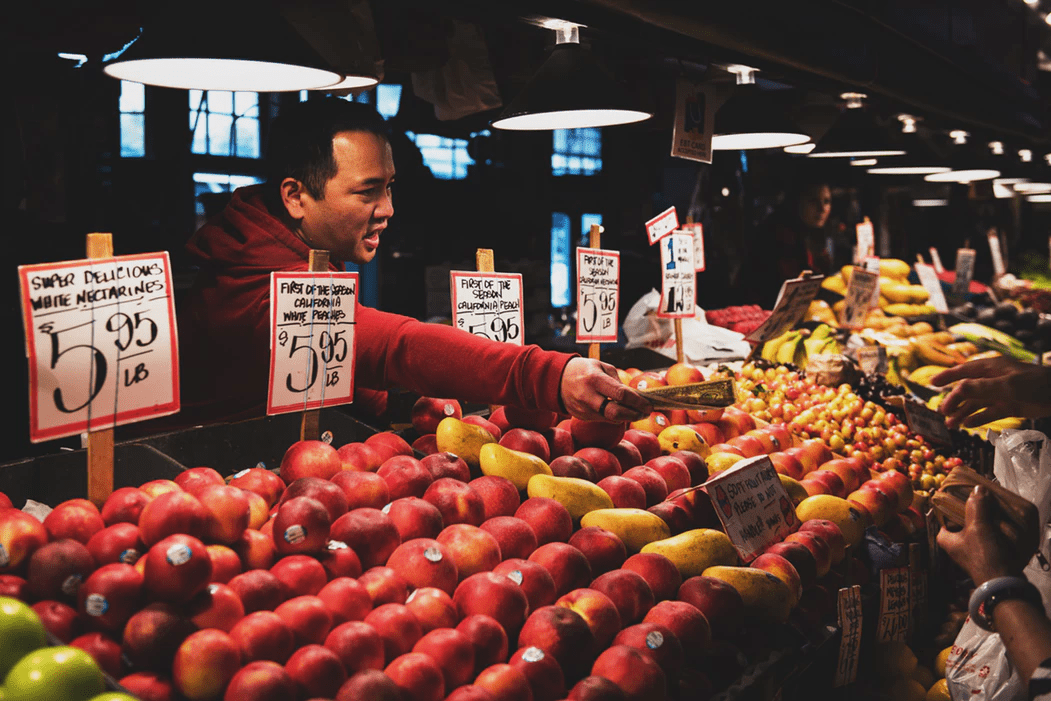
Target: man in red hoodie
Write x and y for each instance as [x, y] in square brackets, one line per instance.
[329, 187]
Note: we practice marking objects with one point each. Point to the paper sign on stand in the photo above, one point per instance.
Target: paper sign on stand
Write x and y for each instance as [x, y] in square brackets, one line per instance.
[101, 341]
[792, 303]
[850, 615]
[678, 288]
[488, 305]
[598, 295]
[964, 271]
[931, 283]
[859, 297]
[871, 264]
[662, 225]
[697, 232]
[926, 422]
[866, 245]
[311, 340]
[936, 261]
[994, 250]
[694, 119]
[752, 504]
[895, 607]
[873, 359]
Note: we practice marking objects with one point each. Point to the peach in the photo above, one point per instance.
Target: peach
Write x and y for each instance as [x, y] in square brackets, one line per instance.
[514, 536]
[195, 479]
[260, 681]
[259, 590]
[660, 574]
[301, 574]
[171, 513]
[710, 432]
[569, 568]
[494, 595]
[647, 380]
[598, 611]
[652, 482]
[309, 459]
[549, 519]
[346, 599]
[307, 617]
[256, 550]
[124, 506]
[627, 455]
[845, 470]
[684, 620]
[572, 466]
[339, 560]
[369, 532]
[720, 603]
[302, 525]
[646, 441]
[817, 546]
[261, 481]
[110, 595]
[787, 464]
[657, 642]
[384, 585]
[316, 671]
[638, 676]
[559, 441]
[559, 631]
[327, 492]
[426, 444]
[433, 608]
[389, 443]
[76, 519]
[358, 645]
[370, 685]
[801, 558]
[830, 479]
[359, 457]
[674, 514]
[604, 550]
[452, 651]
[750, 446]
[176, 568]
[534, 579]
[601, 460]
[423, 562]
[901, 485]
[258, 510]
[781, 568]
[405, 476]
[726, 448]
[672, 470]
[457, 501]
[628, 591]
[362, 489]
[56, 569]
[427, 412]
[205, 663]
[505, 683]
[155, 488]
[831, 534]
[472, 549]
[397, 627]
[447, 465]
[879, 500]
[768, 441]
[499, 495]
[520, 417]
[494, 430]
[546, 680]
[683, 374]
[218, 606]
[815, 487]
[414, 518]
[526, 441]
[625, 492]
[592, 688]
[653, 424]
[418, 676]
[263, 635]
[488, 638]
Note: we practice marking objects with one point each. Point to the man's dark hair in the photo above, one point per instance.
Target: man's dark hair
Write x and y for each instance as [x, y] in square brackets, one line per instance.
[300, 144]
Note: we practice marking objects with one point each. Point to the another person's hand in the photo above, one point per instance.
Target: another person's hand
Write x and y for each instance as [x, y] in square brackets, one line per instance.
[979, 548]
[994, 388]
[587, 385]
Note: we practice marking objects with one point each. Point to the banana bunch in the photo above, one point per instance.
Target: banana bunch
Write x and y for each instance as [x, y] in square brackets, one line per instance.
[1013, 422]
[992, 339]
[923, 374]
[933, 349]
[819, 310]
[795, 346]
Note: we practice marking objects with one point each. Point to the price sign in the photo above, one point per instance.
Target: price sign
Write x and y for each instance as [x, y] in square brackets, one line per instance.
[694, 118]
[873, 360]
[753, 506]
[697, 232]
[850, 640]
[926, 422]
[792, 303]
[678, 287]
[311, 340]
[866, 246]
[936, 261]
[931, 283]
[964, 271]
[488, 305]
[598, 295]
[662, 225]
[994, 250]
[863, 284]
[101, 342]
[871, 264]
[895, 604]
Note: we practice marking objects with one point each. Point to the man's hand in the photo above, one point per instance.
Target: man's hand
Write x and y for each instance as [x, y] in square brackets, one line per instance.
[977, 548]
[591, 390]
[995, 388]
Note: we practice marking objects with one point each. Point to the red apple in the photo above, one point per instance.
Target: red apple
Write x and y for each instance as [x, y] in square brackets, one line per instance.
[308, 619]
[384, 585]
[423, 562]
[601, 460]
[13, 587]
[339, 560]
[597, 434]
[389, 443]
[263, 635]
[195, 479]
[177, 568]
[218, 606]
[258, 590]
[362, 489]
[310, 459]
[359, 457]
[427, 412]
[301, 574]
[569, 568]
[110, 595]
[488, 638]
[151, 686]
[60, 620]
[447, 464]
[357, 645]
[171, 513]
[369, 532]
[493, 595]
[152, 636]
[592, 688]
[328, 493]
[204, 664]
[256, 550]
[103, 649]
[261, 681]
[302, 525]
[499, 495]
[77, 519]
[229, 512]
[695, 464]
[124, 506]
[57, 569]
[261, 481]
[155, 488]
[346, 599]
[549, 519]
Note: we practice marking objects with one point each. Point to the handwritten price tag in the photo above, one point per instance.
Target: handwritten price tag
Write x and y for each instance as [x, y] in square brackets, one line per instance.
[873, 360]
[929, 424]
[101, 341]
[866, 246]
[662, 225]
[792, 303]
[994, 250]
[488, 305]
[678, 288]
[931, 283]
[863, 284]
[598, 295]
[936, 261]
[895, 604]
[964, 271]
[850, 615]
[697, 232]
[311, 340]
[753, 505]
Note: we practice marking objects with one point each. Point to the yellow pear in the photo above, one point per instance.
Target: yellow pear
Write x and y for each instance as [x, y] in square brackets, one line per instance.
[579, 496]
[461, 438]
[519, 467]
[695, 550]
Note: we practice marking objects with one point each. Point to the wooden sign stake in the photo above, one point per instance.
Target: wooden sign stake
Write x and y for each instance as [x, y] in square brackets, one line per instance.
[310, 424]
[483, 259]
[595, 241]
[100, 443]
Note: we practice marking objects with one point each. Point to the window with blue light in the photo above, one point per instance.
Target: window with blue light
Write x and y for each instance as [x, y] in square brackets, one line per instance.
[586, 220]
[224, 123]
[388, 99]
[447, 158]
[559, 259]
[576, 152]
[215, 183]
[132, 103]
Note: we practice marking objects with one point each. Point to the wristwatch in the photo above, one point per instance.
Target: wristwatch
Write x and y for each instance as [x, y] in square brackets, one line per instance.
[986, 597]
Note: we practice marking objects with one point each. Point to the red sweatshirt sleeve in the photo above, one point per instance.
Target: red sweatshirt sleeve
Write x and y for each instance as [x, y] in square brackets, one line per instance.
[442, 361]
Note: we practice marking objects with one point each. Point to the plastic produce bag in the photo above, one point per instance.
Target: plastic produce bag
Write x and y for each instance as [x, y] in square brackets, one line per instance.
[702, 341]
[978, 667]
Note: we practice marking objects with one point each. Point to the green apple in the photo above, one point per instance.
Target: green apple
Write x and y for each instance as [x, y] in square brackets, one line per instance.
[61, 673]
[21, 632]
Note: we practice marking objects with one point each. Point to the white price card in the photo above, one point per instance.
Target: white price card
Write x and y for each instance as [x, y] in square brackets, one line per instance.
[101, 342]
[697, 232]
[792, 303]
[859, 297]
[994, 250]
[936, 261]
[871, 264]
[598, 295]
[964, 271]
[929, 279]
[866, 246]
[488, 305]
[312, 317]
[895, 605]
[662, 225]
[678, 279]
[927, 422]
[694, 118]
[873, 359]
[849, 619]
[753, 506]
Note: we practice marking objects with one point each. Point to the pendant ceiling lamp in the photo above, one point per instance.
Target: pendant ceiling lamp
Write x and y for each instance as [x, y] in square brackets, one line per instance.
[748, 121]
[919, 159]
[570, 91]
[971, 163]
[855, 134]
[225, 46]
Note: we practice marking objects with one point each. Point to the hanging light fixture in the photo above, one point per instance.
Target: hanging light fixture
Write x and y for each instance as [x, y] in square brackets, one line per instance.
[855, 134]
[803, 148]
[570, 91]
[919, 160]
[964, 175]
[746, 120]
[222, 47]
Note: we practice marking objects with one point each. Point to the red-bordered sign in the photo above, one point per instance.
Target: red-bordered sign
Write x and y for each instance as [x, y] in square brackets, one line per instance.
[662, 225]
[488, 305]
[598, 295]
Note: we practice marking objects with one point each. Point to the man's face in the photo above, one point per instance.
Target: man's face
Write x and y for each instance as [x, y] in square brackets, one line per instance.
[357, 204]
[815, 206]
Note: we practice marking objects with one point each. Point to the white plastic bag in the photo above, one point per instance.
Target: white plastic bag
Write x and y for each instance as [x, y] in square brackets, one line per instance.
[701, 341]
[642, 327]
[977, 667]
